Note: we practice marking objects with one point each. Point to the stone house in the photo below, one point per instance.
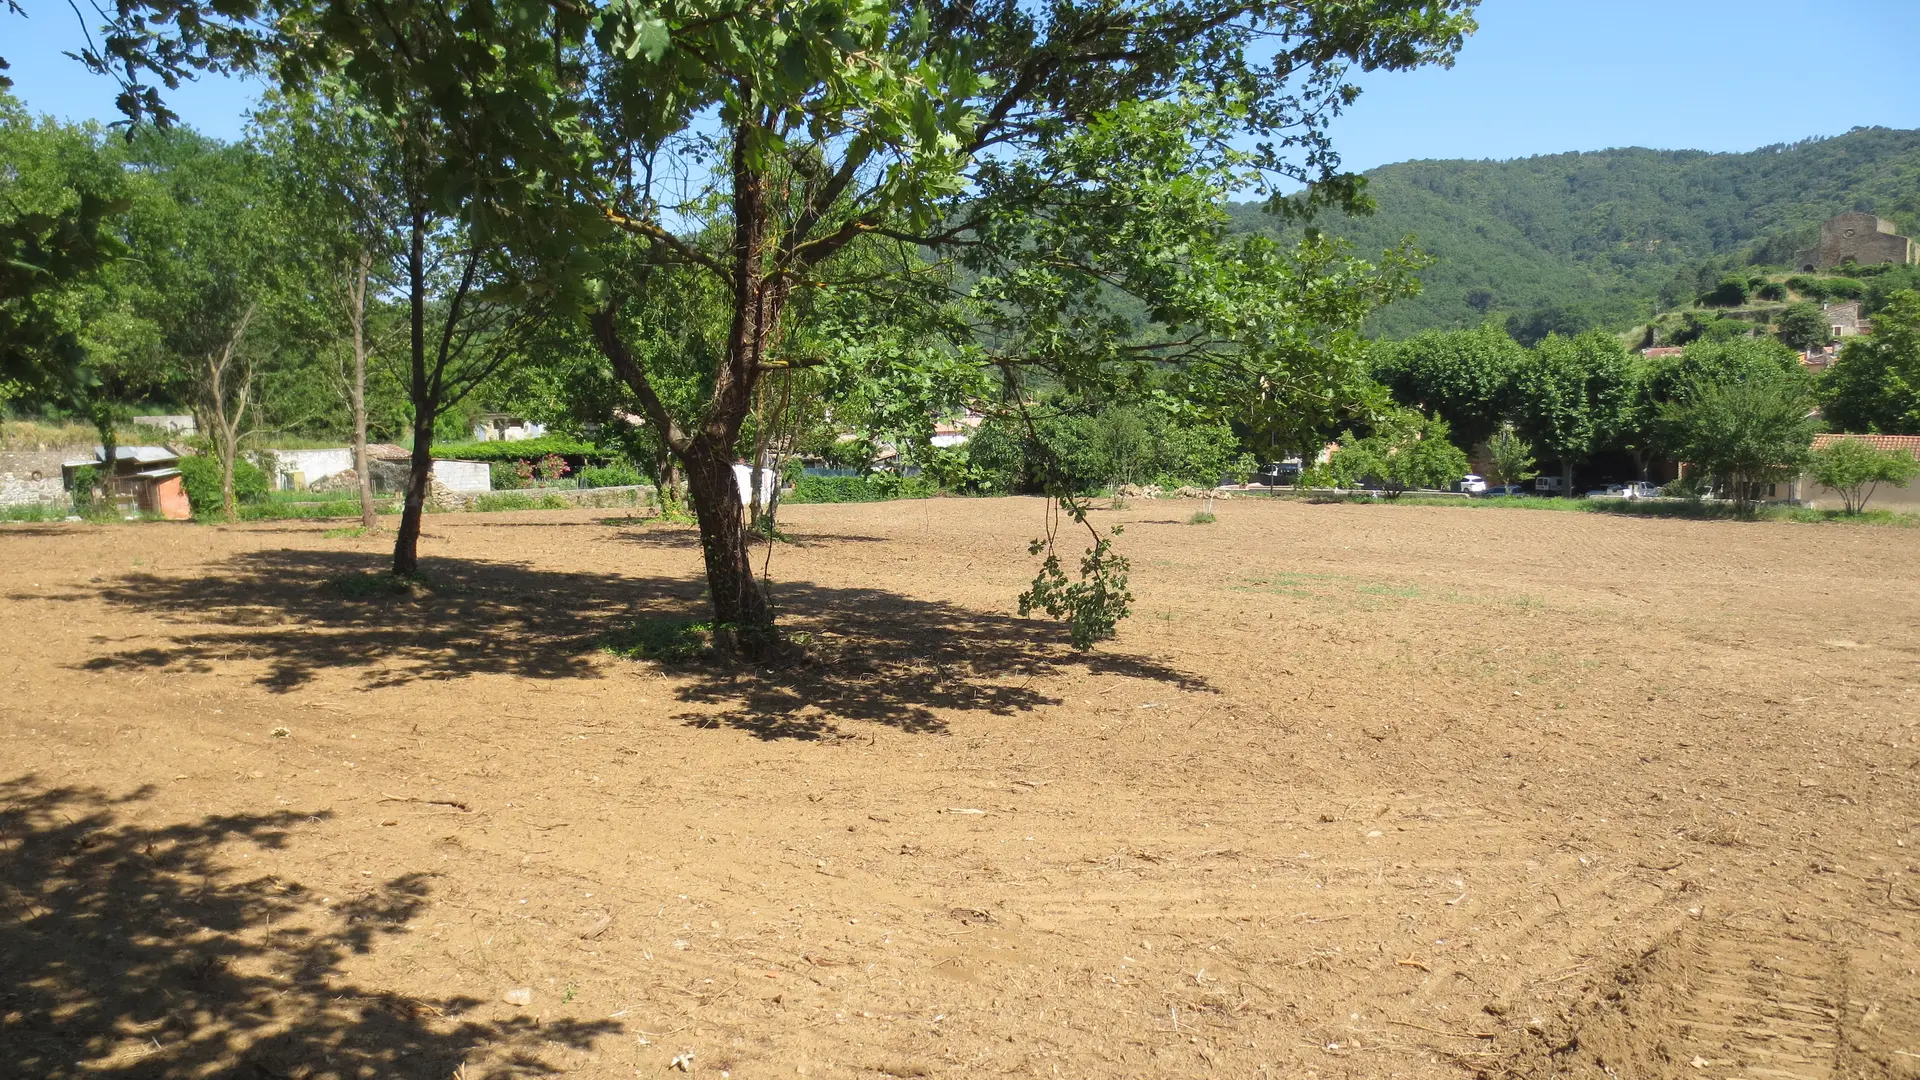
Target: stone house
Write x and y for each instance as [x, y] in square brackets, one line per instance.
[1806, 492]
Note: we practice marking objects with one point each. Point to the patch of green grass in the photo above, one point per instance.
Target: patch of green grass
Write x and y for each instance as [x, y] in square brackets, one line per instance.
[551, 501]
[669, 641]
[1202, 517]
[33, 512]
[380, 585]
[1404, 592]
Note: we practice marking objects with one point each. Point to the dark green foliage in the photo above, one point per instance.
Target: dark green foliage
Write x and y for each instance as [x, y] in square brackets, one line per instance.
[1405, 452]
[1771, 290]
[201, 475]
[1562, 319]
[1844, 288]
[1744, 432]
[1462, 376]
[874, 487]
[619, 474]
[1731, 292]
[1616, 226]
[1574, 396]
[1084, 449]
[1803, 326]
[1874, 384]
[524, 450]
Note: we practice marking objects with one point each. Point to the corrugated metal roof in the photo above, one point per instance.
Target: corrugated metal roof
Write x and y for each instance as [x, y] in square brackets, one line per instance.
[138, 454]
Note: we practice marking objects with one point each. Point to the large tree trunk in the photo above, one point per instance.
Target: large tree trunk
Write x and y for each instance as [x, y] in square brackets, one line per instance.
[406, 543]
[1566, 478]
[357, 390]
[738, 601]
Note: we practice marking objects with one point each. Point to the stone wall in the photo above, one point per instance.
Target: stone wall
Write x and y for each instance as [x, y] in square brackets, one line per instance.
[1863, 238]
[31, 477]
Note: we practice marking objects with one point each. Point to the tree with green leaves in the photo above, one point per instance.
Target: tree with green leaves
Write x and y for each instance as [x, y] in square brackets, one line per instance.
[1511, 458]
[338, 165]
[1803, 326]
[1405, 451]
[1464, 376]
[1573, 397]
[1856, 468]
[1062, 158]
[1046, 185]
[1743, 433]
[1874, 384]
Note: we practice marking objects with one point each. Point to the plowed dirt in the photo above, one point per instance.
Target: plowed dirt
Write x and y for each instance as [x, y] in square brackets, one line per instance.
[1359, 792]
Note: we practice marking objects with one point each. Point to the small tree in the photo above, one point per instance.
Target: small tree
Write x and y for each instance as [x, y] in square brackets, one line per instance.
[1405, 452]
[1512, 458]
[1804, 326]
[1856, 468]
[1745, 432]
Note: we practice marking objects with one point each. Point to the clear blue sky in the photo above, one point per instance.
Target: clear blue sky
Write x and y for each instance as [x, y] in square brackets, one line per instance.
[1542, 76]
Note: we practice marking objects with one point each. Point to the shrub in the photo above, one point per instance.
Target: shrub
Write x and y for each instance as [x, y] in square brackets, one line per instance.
[1811, 288]
[616, 475]
[201, 476]
[833, 489]
[506, 500]
[1845, 288]
[1772, 290]
[551, 501]
[506, 475]
[1731, 292]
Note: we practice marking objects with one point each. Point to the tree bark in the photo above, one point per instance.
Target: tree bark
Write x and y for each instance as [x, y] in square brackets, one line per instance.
[406, 542]
[739, 603]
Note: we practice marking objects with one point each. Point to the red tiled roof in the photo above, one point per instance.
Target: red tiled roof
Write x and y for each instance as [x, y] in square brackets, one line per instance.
[1909, 443]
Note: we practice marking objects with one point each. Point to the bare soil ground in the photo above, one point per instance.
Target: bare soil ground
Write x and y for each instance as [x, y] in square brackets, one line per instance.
[1359, 792]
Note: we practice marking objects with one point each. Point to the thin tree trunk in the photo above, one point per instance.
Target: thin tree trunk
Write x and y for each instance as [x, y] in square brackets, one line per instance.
[1566, 478]
[406, 543]
[357, 390]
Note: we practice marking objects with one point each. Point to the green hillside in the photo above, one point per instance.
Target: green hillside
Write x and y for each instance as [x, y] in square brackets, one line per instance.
[1615, 234]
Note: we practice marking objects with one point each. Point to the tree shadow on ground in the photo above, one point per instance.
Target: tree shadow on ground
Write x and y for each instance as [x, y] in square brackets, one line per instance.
[303, 612]
[135, 951]
[881, 657]
[874, 656]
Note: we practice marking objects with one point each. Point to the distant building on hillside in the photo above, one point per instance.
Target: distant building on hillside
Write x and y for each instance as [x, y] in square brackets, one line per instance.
[1844, 319]
[1858, 238]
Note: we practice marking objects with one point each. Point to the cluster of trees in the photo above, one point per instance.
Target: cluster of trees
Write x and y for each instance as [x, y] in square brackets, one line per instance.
[1741, 408]
[709, 222]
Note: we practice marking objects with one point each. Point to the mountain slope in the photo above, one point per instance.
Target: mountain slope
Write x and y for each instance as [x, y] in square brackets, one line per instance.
[1606, 232]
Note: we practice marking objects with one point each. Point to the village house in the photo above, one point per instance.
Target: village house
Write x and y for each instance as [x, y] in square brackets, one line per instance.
[1806, 492]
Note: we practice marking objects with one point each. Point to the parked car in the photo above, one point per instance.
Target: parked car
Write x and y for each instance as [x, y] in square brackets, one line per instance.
[1473, 484]
[1508, 489]
[1276, 474]
[1636, 490]
[1549, 485]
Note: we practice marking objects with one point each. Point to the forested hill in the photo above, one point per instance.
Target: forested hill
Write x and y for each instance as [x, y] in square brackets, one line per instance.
[1605, 234]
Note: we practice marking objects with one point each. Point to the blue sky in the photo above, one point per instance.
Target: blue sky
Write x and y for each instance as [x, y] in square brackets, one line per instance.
[1542, 76]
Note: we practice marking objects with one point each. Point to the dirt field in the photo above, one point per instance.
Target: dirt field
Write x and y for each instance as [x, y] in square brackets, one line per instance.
[1359, 792]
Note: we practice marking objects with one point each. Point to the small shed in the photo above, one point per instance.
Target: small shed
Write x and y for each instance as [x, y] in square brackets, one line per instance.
[159, 491]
